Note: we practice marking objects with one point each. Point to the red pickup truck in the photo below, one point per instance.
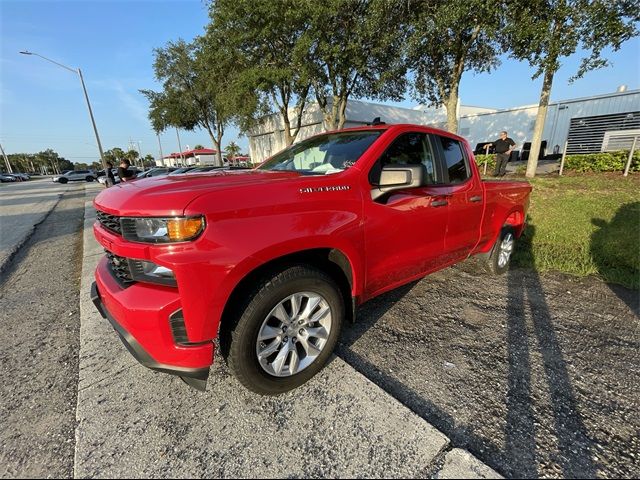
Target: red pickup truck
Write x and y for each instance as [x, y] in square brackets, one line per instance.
[267, 264]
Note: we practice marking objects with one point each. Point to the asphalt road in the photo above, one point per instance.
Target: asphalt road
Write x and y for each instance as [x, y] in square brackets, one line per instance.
[39, 338]
[22, 206]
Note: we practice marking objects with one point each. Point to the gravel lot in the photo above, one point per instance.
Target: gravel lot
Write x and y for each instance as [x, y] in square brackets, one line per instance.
[538, 376]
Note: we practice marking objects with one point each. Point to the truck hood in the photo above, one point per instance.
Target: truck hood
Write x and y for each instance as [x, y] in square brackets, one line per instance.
[169, 195]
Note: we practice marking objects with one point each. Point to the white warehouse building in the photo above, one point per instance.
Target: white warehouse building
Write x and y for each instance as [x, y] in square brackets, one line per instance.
[267, 138]
[588, 125]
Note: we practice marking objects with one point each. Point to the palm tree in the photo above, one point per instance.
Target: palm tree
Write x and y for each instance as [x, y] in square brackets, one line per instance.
[232, 150]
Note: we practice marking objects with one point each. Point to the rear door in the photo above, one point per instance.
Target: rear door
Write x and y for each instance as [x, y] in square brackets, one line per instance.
[405, 229]
[464, 194]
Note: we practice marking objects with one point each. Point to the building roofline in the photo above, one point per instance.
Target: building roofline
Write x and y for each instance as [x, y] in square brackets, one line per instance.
[559, 102]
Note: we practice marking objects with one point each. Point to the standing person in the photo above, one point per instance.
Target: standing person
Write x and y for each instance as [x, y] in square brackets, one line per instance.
[504, 145]
[123, 171]
[111, 179]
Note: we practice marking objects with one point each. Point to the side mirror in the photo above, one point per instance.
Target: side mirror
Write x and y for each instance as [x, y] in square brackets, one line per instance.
[398, 177]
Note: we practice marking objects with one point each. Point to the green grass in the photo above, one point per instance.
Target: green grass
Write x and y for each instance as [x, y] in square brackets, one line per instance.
[587, 224]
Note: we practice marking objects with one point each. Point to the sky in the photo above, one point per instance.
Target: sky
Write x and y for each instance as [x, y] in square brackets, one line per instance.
[112, 42]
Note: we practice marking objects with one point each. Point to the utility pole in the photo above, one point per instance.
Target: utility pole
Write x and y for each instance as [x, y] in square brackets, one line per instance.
[140, 155]
[6, 160]
[86, 97]
[180, 147]
[160, 145]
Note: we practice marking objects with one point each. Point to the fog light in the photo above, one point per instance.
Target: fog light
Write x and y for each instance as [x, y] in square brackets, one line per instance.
[144, 271]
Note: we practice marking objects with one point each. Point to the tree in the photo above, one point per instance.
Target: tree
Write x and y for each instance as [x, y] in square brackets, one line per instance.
[266, 33]
[148, 161]
[198, 147]
[132, 155]
[114, 155]
[186, 100]
[232, 150]
[545, 31]
[449, 37]
[199, 88]
[352, 49]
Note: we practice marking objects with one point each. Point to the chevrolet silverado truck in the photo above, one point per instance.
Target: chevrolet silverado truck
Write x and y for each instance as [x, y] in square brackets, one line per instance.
[265, 265]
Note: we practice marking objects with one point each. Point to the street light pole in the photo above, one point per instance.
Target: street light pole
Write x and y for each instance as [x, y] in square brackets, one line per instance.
[86, 96]
[179, 146]
[160, 145]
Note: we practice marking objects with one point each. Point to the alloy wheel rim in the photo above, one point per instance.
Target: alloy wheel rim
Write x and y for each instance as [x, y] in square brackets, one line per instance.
[294, 334]
[506, 249]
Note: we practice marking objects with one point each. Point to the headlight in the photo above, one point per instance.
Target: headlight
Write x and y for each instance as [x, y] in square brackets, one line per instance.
[162, 230]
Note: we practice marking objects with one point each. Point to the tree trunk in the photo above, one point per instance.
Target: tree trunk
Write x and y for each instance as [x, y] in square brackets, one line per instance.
[219, 160]
[302, 100]
[532, 164]
[452, 110]
[288, 138]
[342, 112]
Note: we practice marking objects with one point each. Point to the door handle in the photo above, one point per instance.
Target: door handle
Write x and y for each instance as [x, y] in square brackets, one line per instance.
[475, 199]
[439, 203]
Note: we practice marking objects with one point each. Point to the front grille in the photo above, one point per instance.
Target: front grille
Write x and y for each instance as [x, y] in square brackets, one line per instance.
[110, 222]
[120, 268]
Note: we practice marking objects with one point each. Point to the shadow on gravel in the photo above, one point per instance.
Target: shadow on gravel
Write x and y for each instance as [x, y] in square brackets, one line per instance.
[367, 317]
[526, 298]
[535, 363]
[616, 253]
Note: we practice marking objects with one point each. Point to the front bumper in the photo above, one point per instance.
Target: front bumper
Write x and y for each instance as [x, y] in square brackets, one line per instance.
[140, 316]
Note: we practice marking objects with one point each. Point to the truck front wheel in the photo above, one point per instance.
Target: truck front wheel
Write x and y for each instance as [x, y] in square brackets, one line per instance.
[285, 331]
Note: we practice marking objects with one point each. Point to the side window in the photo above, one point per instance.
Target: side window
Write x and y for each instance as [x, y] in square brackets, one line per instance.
[454, 160]
[408, 149]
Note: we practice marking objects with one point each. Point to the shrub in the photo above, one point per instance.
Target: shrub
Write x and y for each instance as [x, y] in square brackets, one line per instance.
[602, 162]
[491, 162]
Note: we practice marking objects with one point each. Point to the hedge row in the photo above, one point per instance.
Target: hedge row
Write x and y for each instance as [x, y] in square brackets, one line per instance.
[592, 162]
[603, 162]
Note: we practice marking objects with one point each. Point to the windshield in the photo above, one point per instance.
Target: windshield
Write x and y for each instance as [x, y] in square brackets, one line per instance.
[324, 154]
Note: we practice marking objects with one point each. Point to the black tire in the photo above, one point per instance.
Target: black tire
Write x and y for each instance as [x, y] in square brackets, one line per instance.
[493, 262]
[239, 339]
[63, 180]
[90, 178]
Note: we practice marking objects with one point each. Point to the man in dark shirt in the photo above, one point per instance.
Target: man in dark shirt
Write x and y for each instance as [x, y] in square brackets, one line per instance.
[503, 147]
[123, 171]
[111, 180]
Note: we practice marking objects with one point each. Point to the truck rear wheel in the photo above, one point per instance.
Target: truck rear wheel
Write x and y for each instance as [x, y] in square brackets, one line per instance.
[500, 258]
[285, 331]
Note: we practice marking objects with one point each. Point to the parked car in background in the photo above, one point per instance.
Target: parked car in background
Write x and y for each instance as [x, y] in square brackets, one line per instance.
[19, 176]
[154, 172]
[6, 178]
[181, 170]
[136, 171]
[76, 176]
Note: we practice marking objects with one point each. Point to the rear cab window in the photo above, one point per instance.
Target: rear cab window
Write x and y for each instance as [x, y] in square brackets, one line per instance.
[454, 160]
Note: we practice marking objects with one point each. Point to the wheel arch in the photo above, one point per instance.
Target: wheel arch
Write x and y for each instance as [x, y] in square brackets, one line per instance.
[332, 261]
